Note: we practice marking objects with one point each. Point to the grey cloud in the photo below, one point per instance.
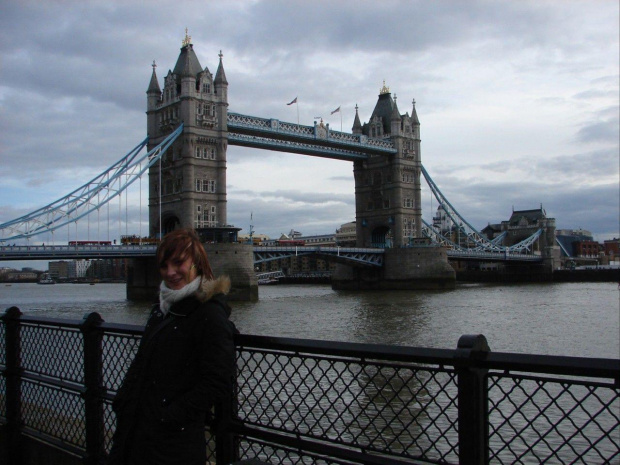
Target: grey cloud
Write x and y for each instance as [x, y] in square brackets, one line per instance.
[592, 207]
[287, 197]
[70, 133]
[348, 179]
[600, 131]
[595, 93]
[599, 163]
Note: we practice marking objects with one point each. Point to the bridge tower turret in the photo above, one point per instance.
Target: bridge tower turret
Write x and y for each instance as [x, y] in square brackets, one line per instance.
[153, 97]
[387, 187]
[188, 187]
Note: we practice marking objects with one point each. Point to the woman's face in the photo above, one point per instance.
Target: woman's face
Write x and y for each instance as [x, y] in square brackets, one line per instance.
[178, 272]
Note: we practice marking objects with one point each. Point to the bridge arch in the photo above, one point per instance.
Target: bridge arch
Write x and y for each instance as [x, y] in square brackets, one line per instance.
[169, 222]
[381, 237]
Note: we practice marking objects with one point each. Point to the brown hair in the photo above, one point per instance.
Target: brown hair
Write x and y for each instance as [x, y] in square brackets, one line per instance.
[184, 243]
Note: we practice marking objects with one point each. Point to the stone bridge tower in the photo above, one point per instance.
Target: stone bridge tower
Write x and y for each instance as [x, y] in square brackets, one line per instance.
[190, 188]
[387, 187]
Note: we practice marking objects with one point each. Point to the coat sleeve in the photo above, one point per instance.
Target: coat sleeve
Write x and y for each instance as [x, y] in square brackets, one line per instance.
[215, 366]
[129, 388]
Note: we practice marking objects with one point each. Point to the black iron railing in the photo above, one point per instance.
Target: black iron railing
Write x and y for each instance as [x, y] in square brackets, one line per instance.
[319, 402]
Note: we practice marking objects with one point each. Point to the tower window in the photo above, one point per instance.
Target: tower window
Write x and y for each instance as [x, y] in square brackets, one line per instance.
[205, 185]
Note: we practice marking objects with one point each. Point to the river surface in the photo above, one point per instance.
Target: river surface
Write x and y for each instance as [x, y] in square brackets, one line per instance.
[576, 319]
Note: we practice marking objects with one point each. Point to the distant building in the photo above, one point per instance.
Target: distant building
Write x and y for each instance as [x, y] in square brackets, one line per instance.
[611, 248]
[346, 235]
[13, 275]
[105, 269]
[524, 223]
[441, 221]
[587, 249]
[321, 239]
[81, 268]
[59, 270]
[568, 240]
[491, 231]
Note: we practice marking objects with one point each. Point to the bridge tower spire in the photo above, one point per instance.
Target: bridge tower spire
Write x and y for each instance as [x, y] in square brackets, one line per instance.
[188, 187]
[387, 187]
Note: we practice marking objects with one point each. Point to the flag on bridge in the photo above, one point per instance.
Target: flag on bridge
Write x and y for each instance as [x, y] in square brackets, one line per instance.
[293, 101]
[336, 110]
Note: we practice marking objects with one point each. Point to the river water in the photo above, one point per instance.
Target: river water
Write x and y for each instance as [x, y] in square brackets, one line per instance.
[575, 319]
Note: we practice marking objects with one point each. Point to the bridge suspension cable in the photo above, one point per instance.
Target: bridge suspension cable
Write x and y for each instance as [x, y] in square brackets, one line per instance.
[89, 197]
[473, 239]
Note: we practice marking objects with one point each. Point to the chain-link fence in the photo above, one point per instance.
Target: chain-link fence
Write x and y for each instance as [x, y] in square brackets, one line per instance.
[318, 402]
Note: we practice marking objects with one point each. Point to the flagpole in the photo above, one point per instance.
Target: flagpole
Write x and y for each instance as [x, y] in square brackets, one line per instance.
[338, 110]
[296, 106]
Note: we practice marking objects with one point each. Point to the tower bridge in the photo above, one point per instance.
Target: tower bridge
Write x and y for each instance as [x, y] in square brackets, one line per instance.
[189, 130]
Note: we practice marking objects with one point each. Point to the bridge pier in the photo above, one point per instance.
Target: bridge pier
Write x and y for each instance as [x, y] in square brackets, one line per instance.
[418, 267]
[231, 259]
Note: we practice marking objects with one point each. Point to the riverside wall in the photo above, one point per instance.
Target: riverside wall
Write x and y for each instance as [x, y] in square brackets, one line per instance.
[534, 274]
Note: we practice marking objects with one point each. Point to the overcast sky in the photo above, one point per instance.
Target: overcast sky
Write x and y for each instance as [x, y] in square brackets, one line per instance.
[518, 100]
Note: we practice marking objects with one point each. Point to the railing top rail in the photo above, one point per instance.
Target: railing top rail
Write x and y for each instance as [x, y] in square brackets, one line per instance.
[346, 349]
[551, 364]
[73, 323]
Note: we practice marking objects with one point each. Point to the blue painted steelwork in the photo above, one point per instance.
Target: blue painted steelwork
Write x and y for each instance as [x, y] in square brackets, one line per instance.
[489, 256]
[363, 256]
[318, 140]
[359, 256]
[288, 146]
[74, 252]
[89, 197]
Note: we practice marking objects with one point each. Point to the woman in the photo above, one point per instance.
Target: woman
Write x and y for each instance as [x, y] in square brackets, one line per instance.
[184, 365]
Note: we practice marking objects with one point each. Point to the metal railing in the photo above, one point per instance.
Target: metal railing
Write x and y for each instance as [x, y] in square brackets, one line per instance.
[306, 401]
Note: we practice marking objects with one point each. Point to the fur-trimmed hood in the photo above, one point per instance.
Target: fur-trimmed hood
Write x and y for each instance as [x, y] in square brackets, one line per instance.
[209, 288]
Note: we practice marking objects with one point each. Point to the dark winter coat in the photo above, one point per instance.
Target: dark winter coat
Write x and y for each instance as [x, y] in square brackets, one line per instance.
[184, 365]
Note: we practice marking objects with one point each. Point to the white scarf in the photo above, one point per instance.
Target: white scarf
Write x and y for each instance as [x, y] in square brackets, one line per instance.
[168, 296]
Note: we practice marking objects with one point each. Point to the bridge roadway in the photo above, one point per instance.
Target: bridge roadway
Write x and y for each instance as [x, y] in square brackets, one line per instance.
[360, 256]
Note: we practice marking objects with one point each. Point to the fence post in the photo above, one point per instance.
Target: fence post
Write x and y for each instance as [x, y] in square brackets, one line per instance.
[93, 393]
[12, 377]
[472, 400]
